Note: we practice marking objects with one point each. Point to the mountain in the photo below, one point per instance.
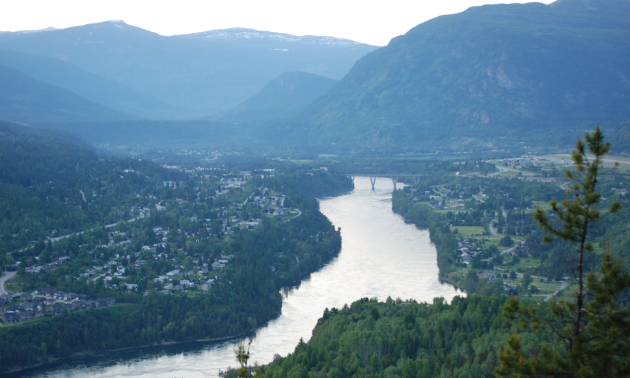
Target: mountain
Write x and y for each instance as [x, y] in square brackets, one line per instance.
[88, 85]
[204, 72]
[24, 99]
[283, 97]
[492, 76]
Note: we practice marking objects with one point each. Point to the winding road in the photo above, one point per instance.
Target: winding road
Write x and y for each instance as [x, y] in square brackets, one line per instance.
[3, 279]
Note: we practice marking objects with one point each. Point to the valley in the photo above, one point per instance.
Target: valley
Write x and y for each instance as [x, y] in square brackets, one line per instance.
[210, 200]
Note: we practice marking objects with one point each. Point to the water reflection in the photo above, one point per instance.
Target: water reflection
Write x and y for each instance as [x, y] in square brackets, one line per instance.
[381, 256]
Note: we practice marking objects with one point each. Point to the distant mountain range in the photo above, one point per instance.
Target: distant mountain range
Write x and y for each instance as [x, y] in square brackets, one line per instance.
[90, 86]
[194, 75]
[512, 77]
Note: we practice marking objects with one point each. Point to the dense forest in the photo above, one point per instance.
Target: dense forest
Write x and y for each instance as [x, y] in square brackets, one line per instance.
[405, 339]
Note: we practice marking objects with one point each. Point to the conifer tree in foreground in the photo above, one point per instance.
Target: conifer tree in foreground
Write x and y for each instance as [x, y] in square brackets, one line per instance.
[242, 356]
[593, 329]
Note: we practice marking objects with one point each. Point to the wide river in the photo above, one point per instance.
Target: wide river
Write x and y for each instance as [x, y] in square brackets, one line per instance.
[381, 256]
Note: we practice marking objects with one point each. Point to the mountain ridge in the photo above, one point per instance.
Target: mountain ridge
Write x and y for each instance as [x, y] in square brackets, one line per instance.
[26, 100]
[481, 77]
[205, 77]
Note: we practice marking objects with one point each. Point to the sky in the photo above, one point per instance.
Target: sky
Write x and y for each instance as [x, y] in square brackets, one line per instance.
[366, 21]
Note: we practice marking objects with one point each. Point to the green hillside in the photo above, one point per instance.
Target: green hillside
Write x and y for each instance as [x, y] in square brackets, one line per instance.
[285, 96]
[24, 99]
[85, 84]
[495, 76]
[404, 339]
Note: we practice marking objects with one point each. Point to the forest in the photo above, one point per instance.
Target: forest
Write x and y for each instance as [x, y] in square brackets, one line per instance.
[279, 251]
[406, 339]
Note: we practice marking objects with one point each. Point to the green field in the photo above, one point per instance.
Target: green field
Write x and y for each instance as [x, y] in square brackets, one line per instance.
[468, 230]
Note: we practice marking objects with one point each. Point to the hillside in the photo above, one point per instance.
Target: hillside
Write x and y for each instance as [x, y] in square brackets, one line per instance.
[285, 96]
[403, 339]
[495, 76]
[24, 99]
[204, 75]
[85, 84]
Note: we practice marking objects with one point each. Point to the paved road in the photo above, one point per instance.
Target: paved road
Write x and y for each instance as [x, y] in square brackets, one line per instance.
[4, 278]
[548, 297]
[492, 230]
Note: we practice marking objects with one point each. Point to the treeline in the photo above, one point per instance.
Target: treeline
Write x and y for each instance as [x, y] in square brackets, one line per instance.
[405, 339]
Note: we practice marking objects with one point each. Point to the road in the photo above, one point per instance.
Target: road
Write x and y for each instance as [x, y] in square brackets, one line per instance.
[548, 297]
[501, 170]
[492, 230]
[3, 279]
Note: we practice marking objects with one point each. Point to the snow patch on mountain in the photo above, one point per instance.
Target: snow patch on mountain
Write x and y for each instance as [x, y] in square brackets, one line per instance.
[244, 33]
[50, 28]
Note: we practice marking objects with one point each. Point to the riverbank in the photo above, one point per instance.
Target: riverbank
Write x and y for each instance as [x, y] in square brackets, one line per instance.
[110, 352]
[446, 243]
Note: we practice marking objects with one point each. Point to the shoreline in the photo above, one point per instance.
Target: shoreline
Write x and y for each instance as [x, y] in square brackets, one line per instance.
[166, 343]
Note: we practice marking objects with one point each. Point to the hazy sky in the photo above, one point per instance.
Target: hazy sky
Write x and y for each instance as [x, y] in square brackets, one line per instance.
[368, 21]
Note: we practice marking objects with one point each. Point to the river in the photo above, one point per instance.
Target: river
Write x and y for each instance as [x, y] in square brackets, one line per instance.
[381, 256]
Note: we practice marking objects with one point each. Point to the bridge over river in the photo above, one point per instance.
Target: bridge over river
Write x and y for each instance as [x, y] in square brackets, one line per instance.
[393, 176]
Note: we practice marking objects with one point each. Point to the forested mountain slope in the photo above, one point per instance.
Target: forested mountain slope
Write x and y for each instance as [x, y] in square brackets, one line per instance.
[282, 97]
[194, 72]
[90, 86]
[24, 99]
[45, 178]
[494, 75]
[404, 339]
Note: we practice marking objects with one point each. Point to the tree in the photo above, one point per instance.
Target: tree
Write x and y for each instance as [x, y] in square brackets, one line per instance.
[506, 241]
[188, 264]
[44, 257]
[526, 281]
[593, 330]
[242, 356]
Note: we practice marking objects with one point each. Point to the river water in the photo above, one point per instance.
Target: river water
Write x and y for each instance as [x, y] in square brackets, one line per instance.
[381, 256]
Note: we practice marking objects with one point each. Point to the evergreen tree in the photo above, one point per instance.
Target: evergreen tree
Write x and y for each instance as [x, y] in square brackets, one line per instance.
[592, 330]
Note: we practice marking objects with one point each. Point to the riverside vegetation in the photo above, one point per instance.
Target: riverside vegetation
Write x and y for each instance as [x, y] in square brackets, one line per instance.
[477, 336]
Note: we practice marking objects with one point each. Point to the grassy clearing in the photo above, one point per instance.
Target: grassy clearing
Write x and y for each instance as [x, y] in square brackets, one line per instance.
[468, 230]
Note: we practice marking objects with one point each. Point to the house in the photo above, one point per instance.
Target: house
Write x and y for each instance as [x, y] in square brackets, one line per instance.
[26, 297]
[106, 301]
[79, 305]
[83, 297]
[10, 309]
[131, 286]
[60, 295]
[173, 272]
[58, 308]
[10, 318]
[22, 316]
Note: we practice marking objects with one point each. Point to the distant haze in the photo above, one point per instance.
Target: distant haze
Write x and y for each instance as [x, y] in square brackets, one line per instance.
[366, 21]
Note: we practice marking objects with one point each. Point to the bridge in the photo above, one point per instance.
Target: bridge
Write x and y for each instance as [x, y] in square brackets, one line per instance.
[393, 176]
